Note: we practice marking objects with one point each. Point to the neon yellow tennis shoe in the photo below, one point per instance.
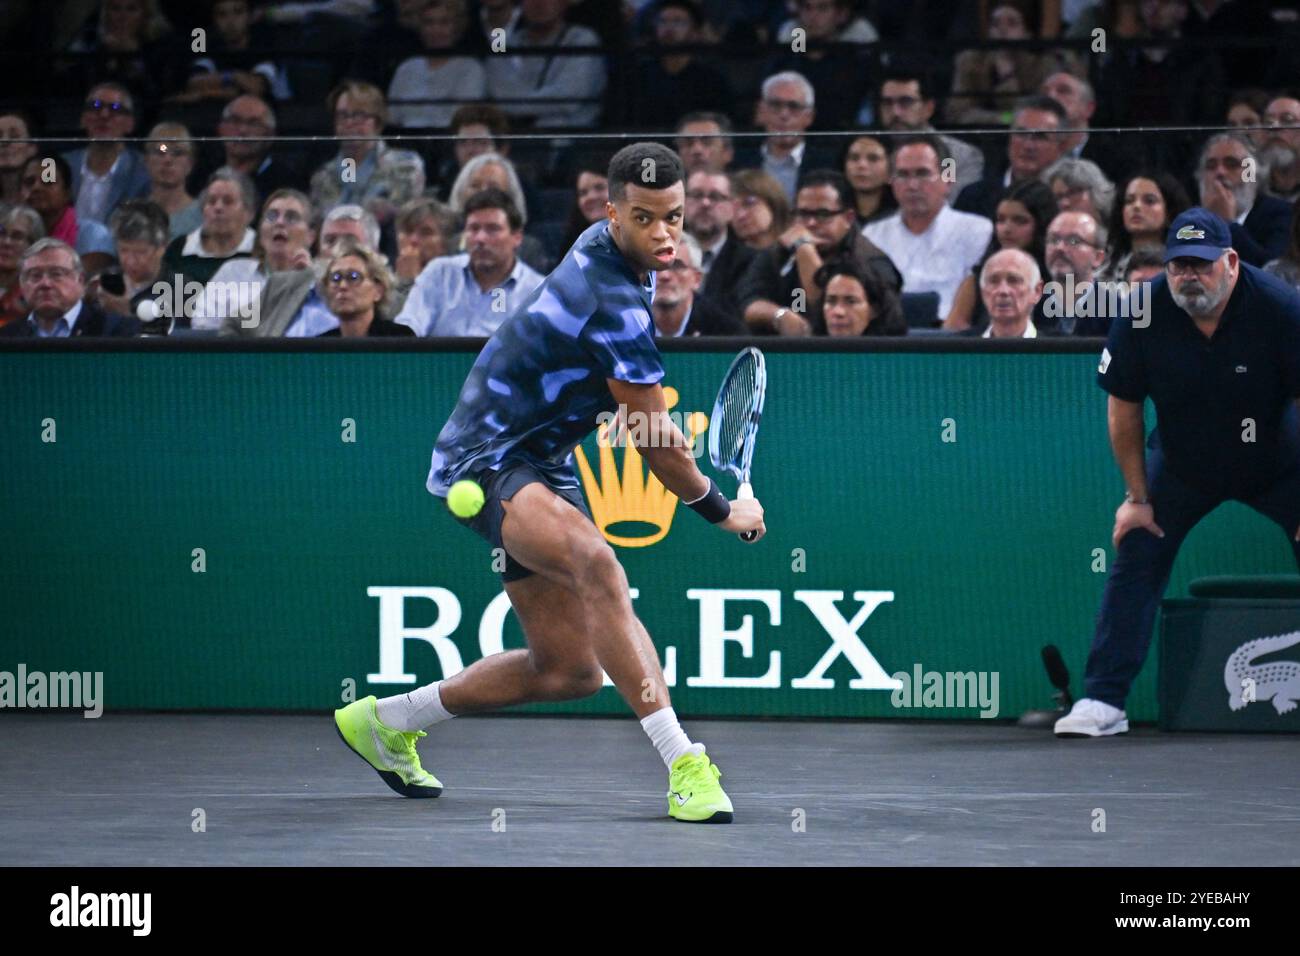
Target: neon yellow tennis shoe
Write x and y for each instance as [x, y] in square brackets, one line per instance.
[694, 795]
[390, 752]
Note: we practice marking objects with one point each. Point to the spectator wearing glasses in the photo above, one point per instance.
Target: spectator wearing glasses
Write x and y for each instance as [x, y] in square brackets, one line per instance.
[1281, 147]
[366, 171]
[1225, 178]
[1033, 146]
[285, 236]
[106, 172]
[244, 120]
[724, 257]
[933, 245]
[474, 292]
[778, 294]
[51, 197]
[678, 310]
[840, 75]
[356, 286]
[906, 105]
[130, 43]
[785, 112]
[15, 126]
[1076, 257]
[169, 157]
[20, 226]
[54, 287]
[291, 303]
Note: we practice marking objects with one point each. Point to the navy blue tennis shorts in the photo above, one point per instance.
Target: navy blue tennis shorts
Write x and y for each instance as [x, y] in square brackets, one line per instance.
[502, 485]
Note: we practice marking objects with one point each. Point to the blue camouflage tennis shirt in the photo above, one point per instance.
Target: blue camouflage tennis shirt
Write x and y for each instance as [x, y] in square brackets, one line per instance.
[539, 384]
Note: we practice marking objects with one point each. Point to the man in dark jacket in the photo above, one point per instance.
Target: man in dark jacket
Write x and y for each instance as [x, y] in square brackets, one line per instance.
[54, 285]
[777, 294]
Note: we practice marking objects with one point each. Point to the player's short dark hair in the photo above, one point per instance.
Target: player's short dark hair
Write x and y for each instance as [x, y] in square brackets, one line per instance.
[1044, 104]
[629, 167]
[493, 198]
[833, 178]
[919, 77]
[936, 143]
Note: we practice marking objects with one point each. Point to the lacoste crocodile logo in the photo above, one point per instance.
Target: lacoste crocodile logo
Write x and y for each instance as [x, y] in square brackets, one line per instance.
[1279, 680]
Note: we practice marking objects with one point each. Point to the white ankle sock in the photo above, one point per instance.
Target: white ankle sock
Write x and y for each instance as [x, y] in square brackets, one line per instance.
[668, 737]
[420, 708]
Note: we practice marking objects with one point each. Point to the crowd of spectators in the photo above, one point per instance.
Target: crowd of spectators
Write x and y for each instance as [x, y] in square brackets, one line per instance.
[853, 168]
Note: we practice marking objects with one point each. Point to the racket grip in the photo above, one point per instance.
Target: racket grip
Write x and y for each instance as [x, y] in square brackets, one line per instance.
[745, 492]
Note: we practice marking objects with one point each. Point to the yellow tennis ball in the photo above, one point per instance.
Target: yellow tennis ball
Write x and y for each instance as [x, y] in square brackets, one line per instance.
[465, 499]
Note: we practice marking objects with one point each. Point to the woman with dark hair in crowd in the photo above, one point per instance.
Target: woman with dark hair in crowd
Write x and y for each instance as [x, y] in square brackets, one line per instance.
[1021, 223]
[762, 209]
[52, 199]
[20, 226]
[591, 193]
[855, 302]
[1148, 203]
[865, 164]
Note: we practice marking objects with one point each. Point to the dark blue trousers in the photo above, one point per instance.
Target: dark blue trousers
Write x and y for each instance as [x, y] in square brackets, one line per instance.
[1140, 573]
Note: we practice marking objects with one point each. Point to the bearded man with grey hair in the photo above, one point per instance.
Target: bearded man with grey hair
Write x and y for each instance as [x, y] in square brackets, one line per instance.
[1218, 352]
[1228, 176]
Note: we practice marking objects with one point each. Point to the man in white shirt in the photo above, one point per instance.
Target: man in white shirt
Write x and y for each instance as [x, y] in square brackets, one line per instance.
[472, 293]
[1010, 285]
[933, 245]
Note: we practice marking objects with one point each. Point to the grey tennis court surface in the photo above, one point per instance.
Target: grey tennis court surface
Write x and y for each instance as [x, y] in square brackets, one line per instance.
[123, 790]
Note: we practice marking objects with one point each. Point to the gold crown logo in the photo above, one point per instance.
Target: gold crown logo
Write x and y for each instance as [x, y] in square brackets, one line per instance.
[634, 497]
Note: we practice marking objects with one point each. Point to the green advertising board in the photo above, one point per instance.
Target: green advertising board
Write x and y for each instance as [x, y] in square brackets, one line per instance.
[249, 528]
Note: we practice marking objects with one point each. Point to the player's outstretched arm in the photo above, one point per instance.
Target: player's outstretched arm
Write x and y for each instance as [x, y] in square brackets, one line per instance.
[669, 455]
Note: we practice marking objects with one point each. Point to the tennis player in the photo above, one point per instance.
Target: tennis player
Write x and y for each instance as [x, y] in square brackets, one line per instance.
[583, 344]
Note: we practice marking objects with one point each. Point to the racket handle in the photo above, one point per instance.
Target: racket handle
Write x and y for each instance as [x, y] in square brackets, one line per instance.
[743, 493]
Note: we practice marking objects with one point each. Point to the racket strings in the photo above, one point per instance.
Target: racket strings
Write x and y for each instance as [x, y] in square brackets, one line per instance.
[737, 409]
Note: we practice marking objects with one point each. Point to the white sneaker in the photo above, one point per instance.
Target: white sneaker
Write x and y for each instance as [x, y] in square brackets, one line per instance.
[1092, 718]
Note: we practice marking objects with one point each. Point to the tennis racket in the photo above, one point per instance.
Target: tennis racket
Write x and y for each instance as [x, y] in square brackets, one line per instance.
[736, 414]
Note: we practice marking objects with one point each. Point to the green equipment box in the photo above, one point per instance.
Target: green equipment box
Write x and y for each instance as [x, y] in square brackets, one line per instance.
[1230, 656]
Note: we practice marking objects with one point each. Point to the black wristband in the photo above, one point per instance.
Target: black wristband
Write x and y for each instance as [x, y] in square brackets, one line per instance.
[714, 506]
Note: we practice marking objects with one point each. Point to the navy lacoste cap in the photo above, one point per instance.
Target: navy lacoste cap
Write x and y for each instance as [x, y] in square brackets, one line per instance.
[1198, 233]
